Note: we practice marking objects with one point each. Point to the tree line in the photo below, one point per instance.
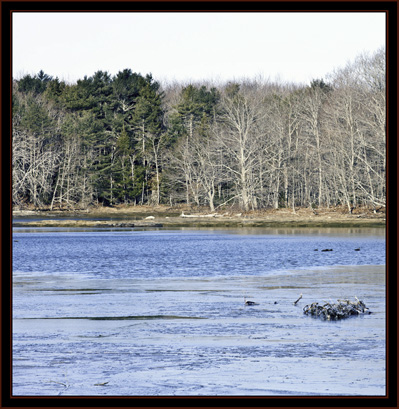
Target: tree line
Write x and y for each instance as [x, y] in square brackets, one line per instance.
[253, 144]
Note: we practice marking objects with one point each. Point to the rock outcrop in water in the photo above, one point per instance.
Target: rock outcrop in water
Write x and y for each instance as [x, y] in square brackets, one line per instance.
[340, 310]
[247, 302]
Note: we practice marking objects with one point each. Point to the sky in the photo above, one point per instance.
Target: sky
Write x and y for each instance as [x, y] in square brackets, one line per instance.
[184, 47]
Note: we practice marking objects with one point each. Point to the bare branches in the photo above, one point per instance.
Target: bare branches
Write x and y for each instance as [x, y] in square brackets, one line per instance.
[255, 143]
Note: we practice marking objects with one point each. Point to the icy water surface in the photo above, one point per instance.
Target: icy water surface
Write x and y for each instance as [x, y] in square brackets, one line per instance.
[140, 313]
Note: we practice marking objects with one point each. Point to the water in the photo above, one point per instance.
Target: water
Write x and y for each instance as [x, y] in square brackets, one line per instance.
[161, 312]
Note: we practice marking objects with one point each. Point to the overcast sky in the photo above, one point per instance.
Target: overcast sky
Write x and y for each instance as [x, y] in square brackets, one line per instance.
[294, 47]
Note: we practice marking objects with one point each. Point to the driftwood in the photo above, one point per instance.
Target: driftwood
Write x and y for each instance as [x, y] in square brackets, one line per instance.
[340, 310]
[296, 302]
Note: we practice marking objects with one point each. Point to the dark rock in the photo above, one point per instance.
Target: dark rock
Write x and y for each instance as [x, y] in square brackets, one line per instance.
[343, 309]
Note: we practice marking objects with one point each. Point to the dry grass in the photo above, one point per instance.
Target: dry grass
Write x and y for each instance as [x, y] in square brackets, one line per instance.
[202, 217]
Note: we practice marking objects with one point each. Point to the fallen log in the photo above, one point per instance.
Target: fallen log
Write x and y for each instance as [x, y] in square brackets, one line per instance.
[296, 302]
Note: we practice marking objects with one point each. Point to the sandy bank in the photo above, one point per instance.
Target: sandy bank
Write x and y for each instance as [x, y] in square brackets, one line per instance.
[162, 216]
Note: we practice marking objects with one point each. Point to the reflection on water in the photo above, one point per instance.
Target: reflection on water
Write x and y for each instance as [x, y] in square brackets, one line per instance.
[192, 253]
[306, 231]
[162, 313]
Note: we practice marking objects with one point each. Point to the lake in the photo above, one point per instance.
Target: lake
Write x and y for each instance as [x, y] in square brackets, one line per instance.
[130, 312]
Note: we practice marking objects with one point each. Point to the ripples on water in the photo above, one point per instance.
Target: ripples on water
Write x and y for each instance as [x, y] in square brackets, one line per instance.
[188, 254]
[162, 313]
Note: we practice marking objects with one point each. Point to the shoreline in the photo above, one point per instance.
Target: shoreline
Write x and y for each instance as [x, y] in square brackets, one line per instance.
[163, 216]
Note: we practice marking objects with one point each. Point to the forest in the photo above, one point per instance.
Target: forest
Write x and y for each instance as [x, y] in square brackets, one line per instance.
[250, 144]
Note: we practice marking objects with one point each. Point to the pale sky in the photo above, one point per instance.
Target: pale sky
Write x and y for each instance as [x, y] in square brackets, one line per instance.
[293, 47]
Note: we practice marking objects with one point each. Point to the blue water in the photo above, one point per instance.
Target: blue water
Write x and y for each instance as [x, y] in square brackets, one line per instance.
[188, 254]
[162, 313]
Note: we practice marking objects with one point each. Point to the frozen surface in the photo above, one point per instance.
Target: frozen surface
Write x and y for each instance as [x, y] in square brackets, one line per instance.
[180, 326]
